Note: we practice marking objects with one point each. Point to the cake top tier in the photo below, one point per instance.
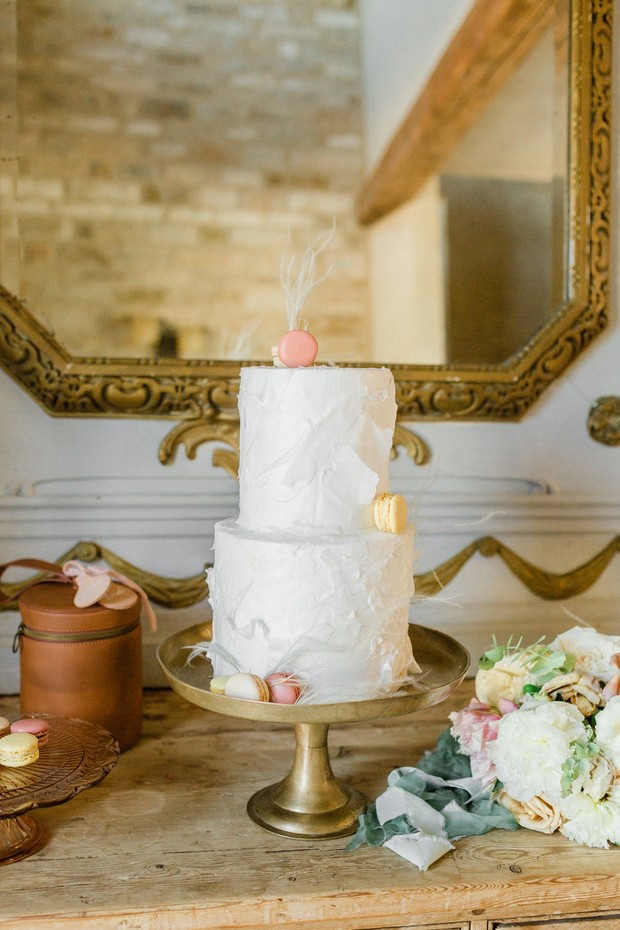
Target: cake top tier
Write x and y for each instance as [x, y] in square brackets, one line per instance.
[315, 447]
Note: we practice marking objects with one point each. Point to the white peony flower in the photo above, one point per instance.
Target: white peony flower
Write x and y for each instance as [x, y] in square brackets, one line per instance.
[593, 650]
[590, 822]
[504, 680]
[531, 746]
[607, 724]
[596, 779]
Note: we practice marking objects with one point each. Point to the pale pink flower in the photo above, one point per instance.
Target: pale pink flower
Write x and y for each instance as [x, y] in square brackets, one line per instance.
[506, 706]
[483, 768]
[612, 688]
[474, 726]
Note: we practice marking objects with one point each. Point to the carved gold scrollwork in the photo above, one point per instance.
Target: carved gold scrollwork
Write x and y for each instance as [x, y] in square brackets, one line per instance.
[604, 421]
[415, 447]
[546, 585]
[193, 434]
[184, 592]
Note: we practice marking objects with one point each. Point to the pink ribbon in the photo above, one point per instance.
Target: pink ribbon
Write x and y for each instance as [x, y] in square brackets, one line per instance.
[81, 573]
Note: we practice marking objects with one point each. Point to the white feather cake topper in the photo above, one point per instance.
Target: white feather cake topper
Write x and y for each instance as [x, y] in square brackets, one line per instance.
[298, 348]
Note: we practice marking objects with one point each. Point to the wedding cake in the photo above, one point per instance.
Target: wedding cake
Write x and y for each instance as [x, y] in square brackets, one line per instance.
[304, 582]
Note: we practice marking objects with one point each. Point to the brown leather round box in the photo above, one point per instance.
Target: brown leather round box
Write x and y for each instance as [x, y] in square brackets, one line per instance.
[81, 662]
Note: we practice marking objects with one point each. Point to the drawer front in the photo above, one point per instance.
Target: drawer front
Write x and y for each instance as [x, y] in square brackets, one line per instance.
[606, 922]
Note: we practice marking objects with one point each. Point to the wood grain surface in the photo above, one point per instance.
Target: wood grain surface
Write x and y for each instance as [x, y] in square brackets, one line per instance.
[164, 843]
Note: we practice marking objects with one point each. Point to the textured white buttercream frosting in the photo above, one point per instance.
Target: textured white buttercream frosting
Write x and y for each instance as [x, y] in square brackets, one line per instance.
[315, 445]
[332, 609]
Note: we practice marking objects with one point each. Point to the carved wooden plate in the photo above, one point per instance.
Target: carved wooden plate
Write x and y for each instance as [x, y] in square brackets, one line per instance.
[78, 755]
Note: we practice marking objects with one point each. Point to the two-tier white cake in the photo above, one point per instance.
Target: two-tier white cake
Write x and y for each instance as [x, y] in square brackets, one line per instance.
[303, 581]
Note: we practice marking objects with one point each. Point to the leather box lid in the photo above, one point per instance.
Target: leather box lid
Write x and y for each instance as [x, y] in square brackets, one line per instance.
[49, 607]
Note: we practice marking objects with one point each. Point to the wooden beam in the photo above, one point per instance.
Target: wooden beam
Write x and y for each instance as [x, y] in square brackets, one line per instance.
[493, 40]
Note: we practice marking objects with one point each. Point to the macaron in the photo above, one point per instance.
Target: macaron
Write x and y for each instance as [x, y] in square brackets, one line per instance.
[297, 348]
[390, 513]
[4, 726]
[284, 687]
[218, 684]
[35, 726]
[247, 687]
[18, 749]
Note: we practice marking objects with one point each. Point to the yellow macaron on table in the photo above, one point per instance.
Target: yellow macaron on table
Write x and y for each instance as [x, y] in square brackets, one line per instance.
[310, 802]
[75, 756]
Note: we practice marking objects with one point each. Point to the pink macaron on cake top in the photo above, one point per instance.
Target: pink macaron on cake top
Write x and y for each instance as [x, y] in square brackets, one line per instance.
[297, 349]
[33, 725]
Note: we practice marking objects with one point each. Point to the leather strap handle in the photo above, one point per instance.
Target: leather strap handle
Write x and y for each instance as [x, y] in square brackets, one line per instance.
[50, 572]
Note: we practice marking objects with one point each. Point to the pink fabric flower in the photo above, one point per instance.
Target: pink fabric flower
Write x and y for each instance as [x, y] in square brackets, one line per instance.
[474, 726]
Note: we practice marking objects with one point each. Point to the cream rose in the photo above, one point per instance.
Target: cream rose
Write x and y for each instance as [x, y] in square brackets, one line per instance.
[584, 691]
[504, 680]
[592, 650]
[535, 814]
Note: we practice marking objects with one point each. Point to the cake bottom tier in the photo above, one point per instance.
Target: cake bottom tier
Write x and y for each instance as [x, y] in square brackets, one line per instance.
[333, 610]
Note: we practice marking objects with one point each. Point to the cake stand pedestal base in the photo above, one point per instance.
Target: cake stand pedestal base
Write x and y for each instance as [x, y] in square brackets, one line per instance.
[19, 837]
[310, 802]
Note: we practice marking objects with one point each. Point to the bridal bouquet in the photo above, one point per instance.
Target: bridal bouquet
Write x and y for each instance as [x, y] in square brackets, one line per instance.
[537, 747]
[543, 733]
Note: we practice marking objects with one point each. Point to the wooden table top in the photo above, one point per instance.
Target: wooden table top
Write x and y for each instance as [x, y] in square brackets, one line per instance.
[164, 843]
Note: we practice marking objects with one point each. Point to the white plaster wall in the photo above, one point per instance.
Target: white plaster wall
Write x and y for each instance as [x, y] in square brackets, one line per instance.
[542, 486]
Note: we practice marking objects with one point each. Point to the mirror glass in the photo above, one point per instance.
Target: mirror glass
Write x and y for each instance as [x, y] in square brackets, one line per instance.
[164, 159]
[499, 204]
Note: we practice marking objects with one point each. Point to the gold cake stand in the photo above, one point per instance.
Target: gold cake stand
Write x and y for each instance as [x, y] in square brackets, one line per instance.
[77, 756]
[311, 803]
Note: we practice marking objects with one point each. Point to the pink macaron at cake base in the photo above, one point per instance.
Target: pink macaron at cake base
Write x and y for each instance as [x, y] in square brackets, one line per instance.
[277, 688]
[284, 688]
[33, 725]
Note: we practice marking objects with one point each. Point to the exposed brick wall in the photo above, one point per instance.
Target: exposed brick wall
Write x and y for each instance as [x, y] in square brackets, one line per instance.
[166, 149]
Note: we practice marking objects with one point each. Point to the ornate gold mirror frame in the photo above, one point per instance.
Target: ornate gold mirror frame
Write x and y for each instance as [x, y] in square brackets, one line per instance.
[202, 394]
